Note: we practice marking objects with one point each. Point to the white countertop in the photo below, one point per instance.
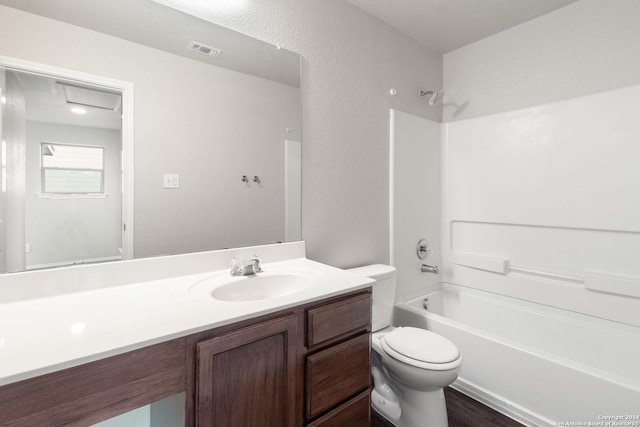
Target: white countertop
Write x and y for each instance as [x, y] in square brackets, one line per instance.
[43, 335]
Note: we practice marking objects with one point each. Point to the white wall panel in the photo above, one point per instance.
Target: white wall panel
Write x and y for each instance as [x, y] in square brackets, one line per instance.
[554, 191]
[415, 199]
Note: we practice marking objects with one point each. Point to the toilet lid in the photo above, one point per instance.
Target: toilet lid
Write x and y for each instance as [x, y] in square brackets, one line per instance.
[422, 345]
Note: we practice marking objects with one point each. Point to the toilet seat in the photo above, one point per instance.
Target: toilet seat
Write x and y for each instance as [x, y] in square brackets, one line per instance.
[421, 348]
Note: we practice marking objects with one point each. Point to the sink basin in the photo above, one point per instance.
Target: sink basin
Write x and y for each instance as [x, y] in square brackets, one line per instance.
[261, 286]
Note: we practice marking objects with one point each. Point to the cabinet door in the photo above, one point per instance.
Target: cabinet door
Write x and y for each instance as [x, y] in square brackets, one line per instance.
[248, 377]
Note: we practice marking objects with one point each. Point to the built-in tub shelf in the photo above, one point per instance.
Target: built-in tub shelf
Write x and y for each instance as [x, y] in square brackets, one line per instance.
[609, 283]
[481, 262]
[612, 284]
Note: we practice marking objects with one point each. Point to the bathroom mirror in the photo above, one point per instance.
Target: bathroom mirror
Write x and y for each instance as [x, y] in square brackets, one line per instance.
[217, 132]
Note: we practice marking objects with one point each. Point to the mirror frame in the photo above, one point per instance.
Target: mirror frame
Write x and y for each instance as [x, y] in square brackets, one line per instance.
[126, 88]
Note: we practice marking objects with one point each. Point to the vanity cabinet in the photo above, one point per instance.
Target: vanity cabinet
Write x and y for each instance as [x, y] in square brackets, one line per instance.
[307, 365]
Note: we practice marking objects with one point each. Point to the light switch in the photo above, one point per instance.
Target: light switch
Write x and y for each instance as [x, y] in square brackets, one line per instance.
[171, 180]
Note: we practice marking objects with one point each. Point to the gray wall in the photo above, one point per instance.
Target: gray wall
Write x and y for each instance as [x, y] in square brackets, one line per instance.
[351, 60]
[224, 126]
[586, 47]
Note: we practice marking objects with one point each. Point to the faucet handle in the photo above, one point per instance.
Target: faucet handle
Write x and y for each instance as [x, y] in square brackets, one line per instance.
[236, 266]
[255, 262]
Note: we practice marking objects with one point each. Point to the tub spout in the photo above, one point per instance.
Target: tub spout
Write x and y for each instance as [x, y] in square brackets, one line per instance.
[429, 269]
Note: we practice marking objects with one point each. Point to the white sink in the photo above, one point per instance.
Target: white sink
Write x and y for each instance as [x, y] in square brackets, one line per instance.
[260, 286]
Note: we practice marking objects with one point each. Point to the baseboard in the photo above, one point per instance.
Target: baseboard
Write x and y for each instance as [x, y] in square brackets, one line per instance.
[501, 405]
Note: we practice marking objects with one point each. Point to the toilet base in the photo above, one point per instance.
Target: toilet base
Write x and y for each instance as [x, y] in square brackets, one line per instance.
[419, 409]
[423, 409]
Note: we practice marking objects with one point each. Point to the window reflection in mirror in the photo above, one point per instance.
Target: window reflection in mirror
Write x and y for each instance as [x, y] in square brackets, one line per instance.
[72, 169]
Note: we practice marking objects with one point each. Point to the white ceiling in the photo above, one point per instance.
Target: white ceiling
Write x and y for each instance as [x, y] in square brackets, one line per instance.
[46, 102]
[445, 25]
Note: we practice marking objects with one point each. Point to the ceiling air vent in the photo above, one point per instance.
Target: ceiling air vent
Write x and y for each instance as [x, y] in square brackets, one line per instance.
[203, 48]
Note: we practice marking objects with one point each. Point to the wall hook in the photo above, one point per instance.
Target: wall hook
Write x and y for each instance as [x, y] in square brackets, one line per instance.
[245, 179]
[256, 179]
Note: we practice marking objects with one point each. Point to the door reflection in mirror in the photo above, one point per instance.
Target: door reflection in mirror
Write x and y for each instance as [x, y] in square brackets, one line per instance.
[61, 202]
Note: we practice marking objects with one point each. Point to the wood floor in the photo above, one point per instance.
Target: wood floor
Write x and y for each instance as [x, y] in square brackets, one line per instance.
[462, 411]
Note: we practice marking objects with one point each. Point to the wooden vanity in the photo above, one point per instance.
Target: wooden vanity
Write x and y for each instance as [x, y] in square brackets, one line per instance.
[304, 366]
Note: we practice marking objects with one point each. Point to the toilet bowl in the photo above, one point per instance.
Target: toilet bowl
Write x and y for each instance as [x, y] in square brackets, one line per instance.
[417, 364]
[410, 366]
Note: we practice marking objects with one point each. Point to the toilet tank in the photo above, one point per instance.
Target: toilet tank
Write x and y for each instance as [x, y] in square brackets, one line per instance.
[384, 292]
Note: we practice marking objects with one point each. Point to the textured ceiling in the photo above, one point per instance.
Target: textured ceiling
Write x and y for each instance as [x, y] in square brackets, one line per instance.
[442, 25]
[153, 24]
[445, 25]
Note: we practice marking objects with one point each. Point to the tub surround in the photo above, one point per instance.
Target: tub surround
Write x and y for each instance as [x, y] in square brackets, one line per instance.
[522, 219]
[77, 315]
[415, 163]
[520, 224]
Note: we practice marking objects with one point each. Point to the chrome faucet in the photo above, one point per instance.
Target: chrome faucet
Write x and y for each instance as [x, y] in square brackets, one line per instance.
[429, 269]
[245, 268]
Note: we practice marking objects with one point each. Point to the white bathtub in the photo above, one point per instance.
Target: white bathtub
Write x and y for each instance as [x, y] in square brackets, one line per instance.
[537, 364]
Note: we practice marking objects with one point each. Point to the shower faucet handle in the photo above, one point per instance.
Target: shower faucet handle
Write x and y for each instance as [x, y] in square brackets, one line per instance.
[423, 249]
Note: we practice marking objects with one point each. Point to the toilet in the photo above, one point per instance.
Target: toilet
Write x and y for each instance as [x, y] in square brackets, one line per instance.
[410, 366]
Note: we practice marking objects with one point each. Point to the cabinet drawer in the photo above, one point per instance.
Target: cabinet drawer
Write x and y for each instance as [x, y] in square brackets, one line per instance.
[354, 413]
[336, 374]
[340, 318]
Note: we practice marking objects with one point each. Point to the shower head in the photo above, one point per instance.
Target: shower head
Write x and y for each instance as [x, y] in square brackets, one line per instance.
[433, 96]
